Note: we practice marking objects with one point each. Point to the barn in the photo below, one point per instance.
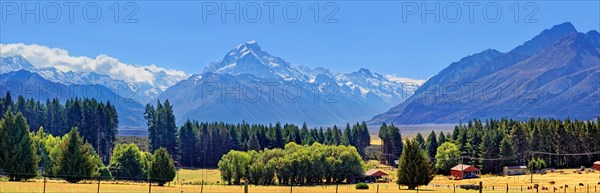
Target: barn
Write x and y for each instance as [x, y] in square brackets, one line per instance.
[596, 165]
[463, 171]
[514, 170]
[373, 175]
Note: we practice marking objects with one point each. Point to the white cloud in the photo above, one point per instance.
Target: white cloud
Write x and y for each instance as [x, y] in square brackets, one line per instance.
[42, 56]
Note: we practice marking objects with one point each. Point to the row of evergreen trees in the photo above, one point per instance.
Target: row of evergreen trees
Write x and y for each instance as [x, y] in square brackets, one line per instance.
[392, 143]
[295, 164]
[98, 121]
[202, 144]
[497, 143]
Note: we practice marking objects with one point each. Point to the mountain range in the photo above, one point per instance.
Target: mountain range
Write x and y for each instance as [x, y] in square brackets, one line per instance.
[554, 75]
[249, 84]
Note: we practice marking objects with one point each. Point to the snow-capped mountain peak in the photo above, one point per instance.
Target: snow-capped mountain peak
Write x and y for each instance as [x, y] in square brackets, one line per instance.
[246, 48]
[250, 58]
[14, 63]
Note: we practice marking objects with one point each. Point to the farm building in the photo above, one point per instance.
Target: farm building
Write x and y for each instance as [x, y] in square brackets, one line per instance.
[463, 171]
[514, 170]
[596, 165]
[374, 175]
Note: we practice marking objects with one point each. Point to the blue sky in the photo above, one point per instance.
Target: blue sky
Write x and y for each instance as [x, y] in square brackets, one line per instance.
[369, 34]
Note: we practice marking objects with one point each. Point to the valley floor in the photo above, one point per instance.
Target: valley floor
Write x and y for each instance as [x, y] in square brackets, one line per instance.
[192, 178]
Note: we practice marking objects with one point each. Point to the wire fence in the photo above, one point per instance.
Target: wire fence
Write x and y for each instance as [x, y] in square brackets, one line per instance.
[189, 184]
[208, 181]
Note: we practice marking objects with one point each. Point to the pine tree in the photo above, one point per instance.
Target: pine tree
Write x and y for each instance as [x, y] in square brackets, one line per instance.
[253, 143]
[215, 147]
[170, 129]
[336, 136]
[328, 137]
[162, 168]
[75, 162]
[441, 138]
[507, 152]
[162, 130]
[347, 137]
[432, 145]
[188, 144]
[234, 138]
[305, 134]
[455, 133]
[488, 149]
[275, 137]
[204, 146]
[414, 168]
[463, 141]
[315, 135]
[421, 141]
[395, 140]
[17, 158]
[74, 113]
[518, 137]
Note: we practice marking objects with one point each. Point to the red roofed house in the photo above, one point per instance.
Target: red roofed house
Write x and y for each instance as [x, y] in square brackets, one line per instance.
[374, 174]
[596, 165]
[463, 171]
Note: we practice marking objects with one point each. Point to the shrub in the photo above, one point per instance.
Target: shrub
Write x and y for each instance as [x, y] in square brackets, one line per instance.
[163, 169]
[469, 187]
[362, 186]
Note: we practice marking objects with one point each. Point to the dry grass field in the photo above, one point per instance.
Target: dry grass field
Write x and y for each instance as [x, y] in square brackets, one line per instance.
[191, 178]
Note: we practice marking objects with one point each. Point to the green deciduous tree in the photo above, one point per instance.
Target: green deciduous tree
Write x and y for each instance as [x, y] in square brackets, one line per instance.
[128, 163]
[447, 156]
[234, 166]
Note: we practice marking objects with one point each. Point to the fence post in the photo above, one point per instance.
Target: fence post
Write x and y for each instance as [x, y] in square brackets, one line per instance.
[245, 187]
[202, 186]
[44, 184]
[98, 191]
[480, 186]
[291, 187]
[454, 185]
[336, 188]
[149, 186]
[377, 188]
[506, 187]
